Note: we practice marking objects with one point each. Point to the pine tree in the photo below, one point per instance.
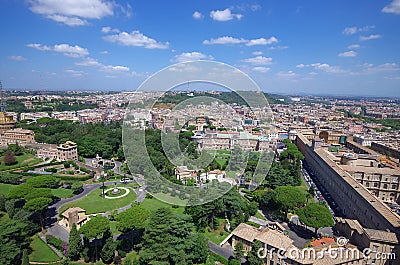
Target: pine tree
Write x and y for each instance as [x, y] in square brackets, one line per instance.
[25, 257]
[108, 251]
[252, 257]
[74, 244]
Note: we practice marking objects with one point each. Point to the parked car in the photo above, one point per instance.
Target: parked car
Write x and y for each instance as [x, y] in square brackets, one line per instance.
[125, 180]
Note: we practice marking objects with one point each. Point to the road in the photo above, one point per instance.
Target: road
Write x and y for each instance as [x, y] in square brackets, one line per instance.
[52, 226]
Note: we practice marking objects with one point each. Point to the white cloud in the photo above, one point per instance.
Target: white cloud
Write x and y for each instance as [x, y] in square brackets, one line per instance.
[257, 53]
[278, 47]
[323, 67]
[137, 39]
[261, 69]
[350, 30]
[232, 40]
[288, 74]
[75, 73]
[224, 40]
[88, 62]
[259, 60]
[70, 21]
[197, 15]
[224, 15]
[70, 12]
[386, 67]
[354, 30]
[348, 54]
[68, 50]
[393, 8]
[191, 56]
[104, 52]
[115, 69]
[17, 58]
[262, 41]
[370, 37]
[109, 29]
[353, 46]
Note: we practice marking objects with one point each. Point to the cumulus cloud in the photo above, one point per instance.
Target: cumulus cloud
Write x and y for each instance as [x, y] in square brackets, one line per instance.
[354, 30]
[259, 60]
[72, 13]
[135, 38]
[278, 48]
[348, 54]
[75, 73]
[353, 46]
[113, 69]
[288, 74]
[224, 15]
[323, 67]
[68, 50]
[257, 53]
[197, 15]
[262, 41]
[261, 69]
[393, 8]
[370, 37]
[191, 56]
[232, 40]
[224, 40]
[17, 58]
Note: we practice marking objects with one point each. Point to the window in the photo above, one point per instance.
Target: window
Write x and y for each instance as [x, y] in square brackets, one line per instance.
[376, 184]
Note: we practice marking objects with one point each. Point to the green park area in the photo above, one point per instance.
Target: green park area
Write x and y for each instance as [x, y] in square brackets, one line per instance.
[5, 188]
[22, 161]
[95, 203]
[41, 252]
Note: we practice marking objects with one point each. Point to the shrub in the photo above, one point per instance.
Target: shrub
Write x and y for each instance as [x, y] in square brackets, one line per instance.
[54, 241]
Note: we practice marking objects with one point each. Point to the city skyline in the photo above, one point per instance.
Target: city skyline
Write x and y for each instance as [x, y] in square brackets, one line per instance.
[304, 48]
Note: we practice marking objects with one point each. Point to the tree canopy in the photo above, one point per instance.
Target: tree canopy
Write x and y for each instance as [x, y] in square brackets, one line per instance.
[289, 198]
[96, 227]
[315, 215]
[133, 218]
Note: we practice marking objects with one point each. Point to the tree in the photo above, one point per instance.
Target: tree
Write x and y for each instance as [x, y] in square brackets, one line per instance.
[234, 262]
[252, 256]
[97, 227]
[108, 251]
[9, 158]
[39, 206]
[25, 257]
[310, 193]
[13, 239]
[289, 198]
[43, 182]
[77, 187]
[133, 218]
[166, 236]
[239, 251]
[74, 243]
[315, 215]
[103, 178]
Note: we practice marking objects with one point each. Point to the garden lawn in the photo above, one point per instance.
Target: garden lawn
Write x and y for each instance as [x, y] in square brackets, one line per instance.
[41, 251]
[5, 188]
[23, 160]
[62, 193]
[154, 204]
[95, 203]
[218, 235]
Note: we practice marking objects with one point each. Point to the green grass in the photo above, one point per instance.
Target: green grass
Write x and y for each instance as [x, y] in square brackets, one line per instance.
[62, 193]
[95, 203]
[5, 188]
[215, 235]
[154, 204]
[260, 216]
[41, 252]
[23, 160]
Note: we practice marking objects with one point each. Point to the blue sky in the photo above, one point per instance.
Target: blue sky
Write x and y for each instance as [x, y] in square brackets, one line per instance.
[303, 47]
